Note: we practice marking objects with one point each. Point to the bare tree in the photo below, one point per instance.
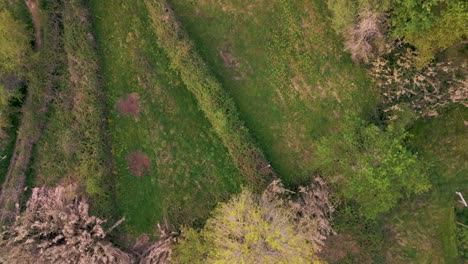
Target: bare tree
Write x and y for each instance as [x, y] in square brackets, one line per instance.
[56, 228]
[364, 38]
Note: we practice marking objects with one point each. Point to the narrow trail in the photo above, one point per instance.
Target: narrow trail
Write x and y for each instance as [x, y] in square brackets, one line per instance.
[33, 9]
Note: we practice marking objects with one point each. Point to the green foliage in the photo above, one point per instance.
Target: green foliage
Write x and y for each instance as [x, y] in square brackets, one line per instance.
[430, 26]
[14, 44]
[447, 29]
[410, 16]
[371, 166]
[245, 230]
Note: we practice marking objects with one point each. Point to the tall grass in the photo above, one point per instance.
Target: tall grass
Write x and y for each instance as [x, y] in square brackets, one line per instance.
[213, 100]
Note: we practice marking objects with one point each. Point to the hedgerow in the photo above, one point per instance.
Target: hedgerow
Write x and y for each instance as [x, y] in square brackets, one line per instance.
[213, 100]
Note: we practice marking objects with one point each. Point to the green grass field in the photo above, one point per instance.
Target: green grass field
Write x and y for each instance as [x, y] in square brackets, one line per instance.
[190, 169]
[284, 68]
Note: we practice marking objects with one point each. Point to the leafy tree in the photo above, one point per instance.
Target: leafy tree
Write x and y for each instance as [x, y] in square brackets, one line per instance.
[371, 166]
[267, 229]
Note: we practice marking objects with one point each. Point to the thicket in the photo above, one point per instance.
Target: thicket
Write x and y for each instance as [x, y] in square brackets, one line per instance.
[214, 101]
[73, 144]
[56, 228]
[268, 228]
[371, 166]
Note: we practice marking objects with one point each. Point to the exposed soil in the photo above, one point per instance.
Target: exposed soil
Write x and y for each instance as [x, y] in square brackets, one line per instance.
[129, 105]
[33, 9]
[139, 164]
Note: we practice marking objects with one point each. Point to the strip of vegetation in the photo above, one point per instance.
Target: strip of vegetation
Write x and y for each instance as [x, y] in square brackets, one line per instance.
[217, 105]
[73, 147]
[14, 51]
[42, 77]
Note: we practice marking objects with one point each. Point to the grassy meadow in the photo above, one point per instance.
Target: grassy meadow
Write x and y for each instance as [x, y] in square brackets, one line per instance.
[285, 69]
[190, 170]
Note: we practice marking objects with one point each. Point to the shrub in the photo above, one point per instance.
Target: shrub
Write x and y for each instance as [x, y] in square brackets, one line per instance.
[57, 228]
[370, 165]
[271, 228]
[427, 90]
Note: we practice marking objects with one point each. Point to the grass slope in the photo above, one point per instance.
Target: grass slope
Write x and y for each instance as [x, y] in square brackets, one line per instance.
[190, 169]
[285, 70]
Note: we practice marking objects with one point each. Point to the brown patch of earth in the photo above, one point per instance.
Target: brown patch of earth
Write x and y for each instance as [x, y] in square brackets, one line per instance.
[338, 247]
[129, 105]
[139, 164]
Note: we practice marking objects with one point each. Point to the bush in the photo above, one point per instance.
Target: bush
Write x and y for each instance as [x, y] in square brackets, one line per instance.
[365, 38]
[57, 228]
[371, 166]
[430, 26]
[271, 228]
